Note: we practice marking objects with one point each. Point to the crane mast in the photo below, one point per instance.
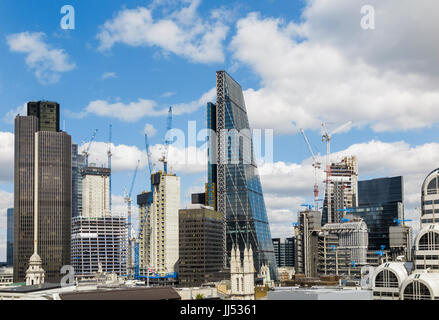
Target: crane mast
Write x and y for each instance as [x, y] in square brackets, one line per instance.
[317, 165]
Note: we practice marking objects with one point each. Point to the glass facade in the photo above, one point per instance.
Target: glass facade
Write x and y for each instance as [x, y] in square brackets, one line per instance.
[78, 162]
[380, 202]
[284, 251]
[233, 175]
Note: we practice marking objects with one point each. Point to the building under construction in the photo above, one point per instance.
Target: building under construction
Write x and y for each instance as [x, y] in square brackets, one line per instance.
[158, 241]
[342, 188]
[100, 241]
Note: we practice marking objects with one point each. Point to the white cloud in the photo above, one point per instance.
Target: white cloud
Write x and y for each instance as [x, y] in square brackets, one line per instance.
[182, 32]
[11, 114]
[287, 185]
[306, 80]
[6, 157]
[47, 63]
[6, 201]
[134, 111]
[107, 75]
[181, 159]
[149, 130]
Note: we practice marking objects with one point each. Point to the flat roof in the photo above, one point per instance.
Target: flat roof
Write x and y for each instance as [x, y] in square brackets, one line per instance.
[147, 293]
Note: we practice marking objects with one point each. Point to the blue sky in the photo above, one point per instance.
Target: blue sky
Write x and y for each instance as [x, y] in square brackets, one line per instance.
[299, 63]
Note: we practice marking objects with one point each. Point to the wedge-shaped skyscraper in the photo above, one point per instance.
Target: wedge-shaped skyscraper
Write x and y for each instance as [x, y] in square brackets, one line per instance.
[234, 187]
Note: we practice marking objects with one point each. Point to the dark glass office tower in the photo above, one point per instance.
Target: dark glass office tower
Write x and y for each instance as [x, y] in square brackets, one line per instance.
[47, 113]
[284, 251]
[380, 202]
[200, 257]
[43, 182]
[234, 187]
[10, 237]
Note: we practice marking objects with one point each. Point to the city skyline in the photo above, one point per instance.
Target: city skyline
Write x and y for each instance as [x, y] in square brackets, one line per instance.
[100, 76]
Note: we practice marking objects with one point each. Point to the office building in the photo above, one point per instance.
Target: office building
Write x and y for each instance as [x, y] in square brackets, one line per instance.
[342, 189]
[200, 256]
[430, 199]
[348, 241]
[159, 237]
[426, 250]
[42, 182]
[381, 203]
[284, 251]
[307, 243]
[95, 191]
[99, 242]
[78, 163]
[234, 186]
[10, 237]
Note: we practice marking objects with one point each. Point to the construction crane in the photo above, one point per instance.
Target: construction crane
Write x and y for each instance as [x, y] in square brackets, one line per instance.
[86, 152]
[308, 206]
[326, 136]
[164, 157]
[399, 221]
[109, 154]
[317, 165]
[143, 218]
[128, 201]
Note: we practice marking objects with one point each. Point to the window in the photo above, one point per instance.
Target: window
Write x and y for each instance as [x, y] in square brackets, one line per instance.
[386, 279]
[416, 291]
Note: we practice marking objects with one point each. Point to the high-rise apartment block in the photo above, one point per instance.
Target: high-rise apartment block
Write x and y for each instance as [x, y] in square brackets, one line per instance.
[159, 238]
[342, 189]
[233, 186]
[200, 256]
[42, 182]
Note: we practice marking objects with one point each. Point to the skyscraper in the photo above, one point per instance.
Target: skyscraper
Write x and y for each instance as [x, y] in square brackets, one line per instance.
[200, 257]
[342, 189]
[381, 201]
[10, 237]
[234, 187]
[42, 182]
[159, 237]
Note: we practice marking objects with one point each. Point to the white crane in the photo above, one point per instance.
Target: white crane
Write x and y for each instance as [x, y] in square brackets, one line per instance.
[326, 136]
[317, 165]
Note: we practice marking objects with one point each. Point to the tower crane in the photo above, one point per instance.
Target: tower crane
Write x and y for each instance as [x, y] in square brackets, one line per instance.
[326, 136]
[164, 157]
[143, 218]
[109, 154]
[128, 200]
[86, 152]
[317, 165]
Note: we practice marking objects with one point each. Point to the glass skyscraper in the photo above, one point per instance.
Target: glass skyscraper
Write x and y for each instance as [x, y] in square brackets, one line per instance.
[10, 237]
[234, 187]
[380, 202]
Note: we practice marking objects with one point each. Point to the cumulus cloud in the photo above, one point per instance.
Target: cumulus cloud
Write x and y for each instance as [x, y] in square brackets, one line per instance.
[46, 62]
[134, 111]
[182, 32]
[181, 159]
[149, 130]
[305, 79]
[6, 157]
